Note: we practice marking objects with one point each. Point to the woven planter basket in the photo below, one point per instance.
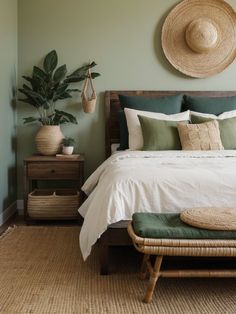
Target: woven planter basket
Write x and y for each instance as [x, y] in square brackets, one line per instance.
[52, 204]
[48, 140]
[88, 95]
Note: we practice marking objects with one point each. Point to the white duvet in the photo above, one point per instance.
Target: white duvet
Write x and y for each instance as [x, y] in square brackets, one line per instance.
[161, 182]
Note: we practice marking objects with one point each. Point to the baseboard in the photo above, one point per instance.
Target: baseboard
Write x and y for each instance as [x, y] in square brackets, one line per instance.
[8, 212]
[20, 207]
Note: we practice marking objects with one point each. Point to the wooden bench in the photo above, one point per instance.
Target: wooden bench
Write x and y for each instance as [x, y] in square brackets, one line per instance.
[161, 247]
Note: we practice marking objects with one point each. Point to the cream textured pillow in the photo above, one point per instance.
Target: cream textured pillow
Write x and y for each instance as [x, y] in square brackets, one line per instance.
[134, 127]
[204, 136]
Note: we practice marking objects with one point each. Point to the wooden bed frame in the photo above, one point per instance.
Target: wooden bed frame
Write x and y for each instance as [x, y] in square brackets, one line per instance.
[119, 236]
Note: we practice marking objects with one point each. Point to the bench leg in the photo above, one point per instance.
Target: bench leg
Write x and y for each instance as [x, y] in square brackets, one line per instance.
[154, 275]
[144, 268]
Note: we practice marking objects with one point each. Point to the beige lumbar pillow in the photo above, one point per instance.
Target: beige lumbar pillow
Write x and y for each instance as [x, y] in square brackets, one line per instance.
[204, 136]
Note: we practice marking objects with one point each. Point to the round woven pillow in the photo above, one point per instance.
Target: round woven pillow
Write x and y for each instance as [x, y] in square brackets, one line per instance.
[211, 218]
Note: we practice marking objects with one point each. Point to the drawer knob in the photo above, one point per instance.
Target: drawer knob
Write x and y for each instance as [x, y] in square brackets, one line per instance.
[52, 171]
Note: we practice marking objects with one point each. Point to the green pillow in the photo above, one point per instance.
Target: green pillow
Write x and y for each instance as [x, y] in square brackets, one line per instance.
[213, 105]
[124, 133]
[170, 226]
[227, 130]
[159, 134]
[199, 119]
[167, 105]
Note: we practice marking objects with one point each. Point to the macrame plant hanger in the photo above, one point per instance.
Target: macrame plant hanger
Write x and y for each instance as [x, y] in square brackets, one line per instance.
[88, 95]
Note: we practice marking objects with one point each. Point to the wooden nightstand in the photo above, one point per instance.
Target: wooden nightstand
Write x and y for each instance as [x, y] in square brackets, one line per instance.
[51, 168]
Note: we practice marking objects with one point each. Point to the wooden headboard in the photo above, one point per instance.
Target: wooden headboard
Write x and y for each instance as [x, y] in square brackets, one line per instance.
[112, 106]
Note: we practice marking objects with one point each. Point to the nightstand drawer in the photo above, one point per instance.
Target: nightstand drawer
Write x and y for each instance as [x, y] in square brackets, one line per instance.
[52, 170]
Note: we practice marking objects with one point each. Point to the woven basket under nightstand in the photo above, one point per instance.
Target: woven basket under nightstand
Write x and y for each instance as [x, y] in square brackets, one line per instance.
[51, 204]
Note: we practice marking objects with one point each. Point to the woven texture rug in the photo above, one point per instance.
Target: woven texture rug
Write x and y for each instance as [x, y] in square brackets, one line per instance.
[42, 271]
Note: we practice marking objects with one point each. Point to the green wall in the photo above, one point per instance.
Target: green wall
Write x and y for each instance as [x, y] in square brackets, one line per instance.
[8, 57]
[123, 37]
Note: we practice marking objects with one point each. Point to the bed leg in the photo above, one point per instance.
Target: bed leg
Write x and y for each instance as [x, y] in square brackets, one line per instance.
[154, 275]
[104, 259]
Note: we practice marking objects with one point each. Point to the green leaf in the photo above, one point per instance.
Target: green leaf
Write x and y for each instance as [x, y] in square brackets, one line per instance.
[28, 78]
[29, 101]
[75, 79]
[62, 96]
[39, 99]
[33, 81]
[92, 64]
[55, 119]
[68, 141]
[67, 116]
[30, 119]
[65, 96]
[94, 75]
[80, 77]
[63, 121]
[82, 70]
[60, 73]
[61, 88]
[50, 61]
[26, 87]
[71, 90]
[38, 73]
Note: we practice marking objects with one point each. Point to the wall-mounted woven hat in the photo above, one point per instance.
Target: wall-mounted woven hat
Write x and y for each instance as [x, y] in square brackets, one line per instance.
[199, 37]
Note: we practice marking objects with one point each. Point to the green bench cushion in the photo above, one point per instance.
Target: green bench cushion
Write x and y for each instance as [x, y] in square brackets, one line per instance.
[170, 226]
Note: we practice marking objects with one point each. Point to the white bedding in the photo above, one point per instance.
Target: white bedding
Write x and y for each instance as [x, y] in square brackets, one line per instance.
[167, 181]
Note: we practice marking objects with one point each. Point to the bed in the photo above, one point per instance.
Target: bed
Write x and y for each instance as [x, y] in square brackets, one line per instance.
[115, 233]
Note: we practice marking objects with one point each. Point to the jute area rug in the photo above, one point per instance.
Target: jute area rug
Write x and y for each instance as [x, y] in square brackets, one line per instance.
[42, 271]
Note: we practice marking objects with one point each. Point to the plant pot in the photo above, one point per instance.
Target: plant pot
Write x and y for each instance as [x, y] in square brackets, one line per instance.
[48, 140]
[67, 150]
[89, 105]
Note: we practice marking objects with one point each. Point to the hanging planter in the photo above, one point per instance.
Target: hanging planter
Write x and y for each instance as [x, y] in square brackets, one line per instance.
[88, 95]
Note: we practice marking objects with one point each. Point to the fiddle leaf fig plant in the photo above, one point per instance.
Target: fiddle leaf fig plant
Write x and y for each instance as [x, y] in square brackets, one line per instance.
[50, 84]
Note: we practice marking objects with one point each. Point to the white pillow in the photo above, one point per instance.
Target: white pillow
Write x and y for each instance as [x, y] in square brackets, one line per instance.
[224, 115]
[114, 148]
[134, 127]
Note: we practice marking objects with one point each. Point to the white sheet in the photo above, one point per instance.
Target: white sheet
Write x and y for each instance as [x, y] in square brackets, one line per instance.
[167, 181]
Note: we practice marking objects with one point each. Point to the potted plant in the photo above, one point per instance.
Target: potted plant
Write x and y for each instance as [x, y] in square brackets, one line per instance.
[46, 86]
[68, 145]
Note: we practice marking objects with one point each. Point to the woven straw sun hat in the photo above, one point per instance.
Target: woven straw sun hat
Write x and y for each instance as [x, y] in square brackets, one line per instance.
[199, 37]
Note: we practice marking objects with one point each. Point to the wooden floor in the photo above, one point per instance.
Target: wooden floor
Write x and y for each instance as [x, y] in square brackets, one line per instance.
[8, 223]
[19, 221]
